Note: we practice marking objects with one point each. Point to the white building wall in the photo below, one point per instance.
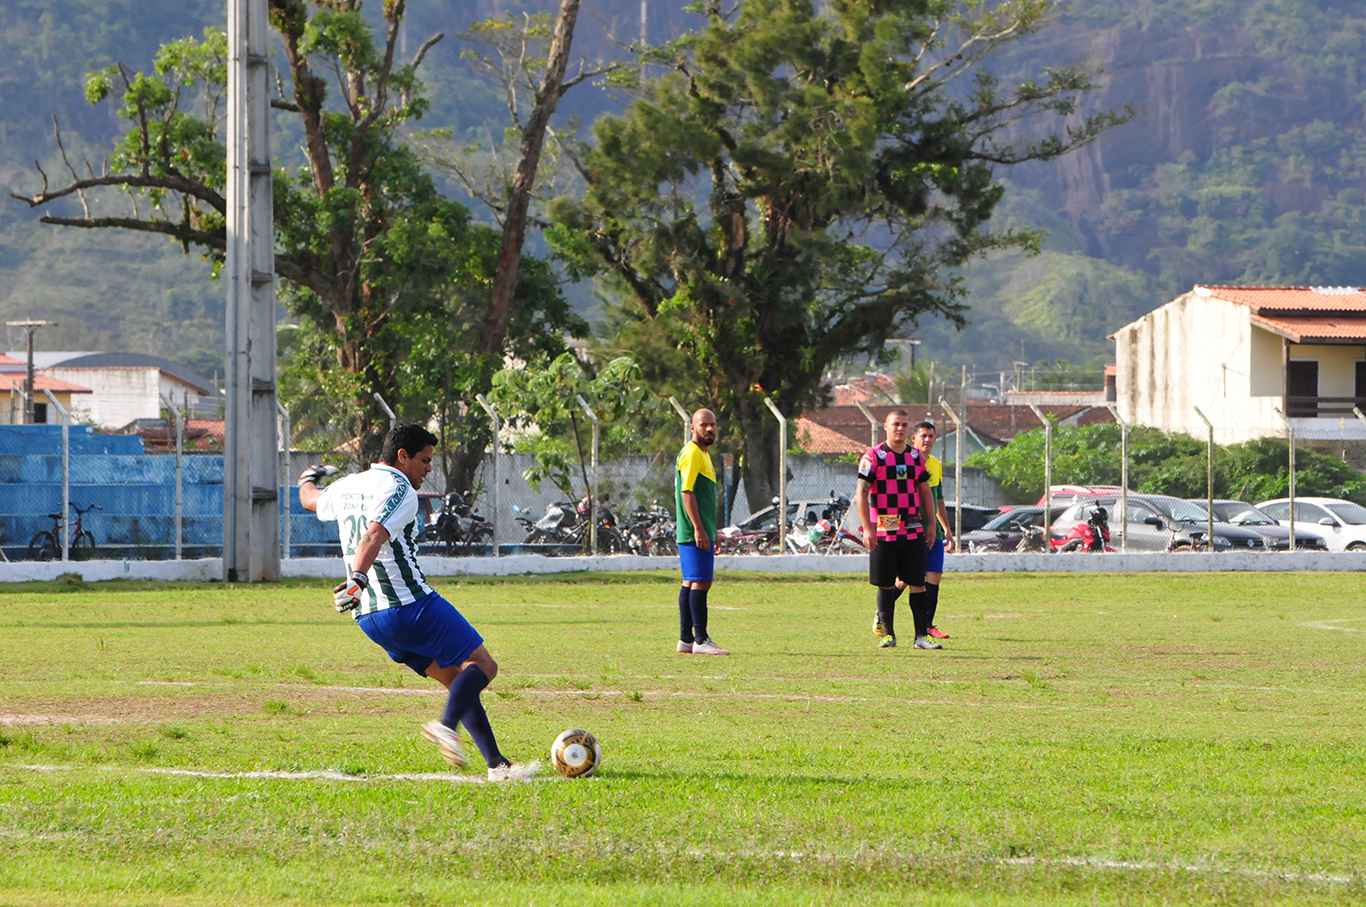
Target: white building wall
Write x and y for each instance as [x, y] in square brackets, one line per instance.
[119, 395]
[1199, 351]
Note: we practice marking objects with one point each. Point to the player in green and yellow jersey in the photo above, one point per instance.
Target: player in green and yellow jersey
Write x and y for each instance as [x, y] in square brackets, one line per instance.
[695, 518]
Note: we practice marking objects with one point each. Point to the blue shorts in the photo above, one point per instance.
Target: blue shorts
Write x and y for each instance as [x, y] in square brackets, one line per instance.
[698, 566]
[935, 563]
[430, 629]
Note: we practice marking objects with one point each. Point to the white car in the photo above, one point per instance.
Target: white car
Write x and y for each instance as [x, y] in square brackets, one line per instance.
[1341, 524]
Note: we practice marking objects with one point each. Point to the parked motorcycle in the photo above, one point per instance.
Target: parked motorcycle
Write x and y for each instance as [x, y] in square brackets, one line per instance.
[650, 531]
[1091, 535]
[458, 527]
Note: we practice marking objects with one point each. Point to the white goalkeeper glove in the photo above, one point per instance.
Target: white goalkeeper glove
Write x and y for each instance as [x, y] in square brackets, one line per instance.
[346, 594]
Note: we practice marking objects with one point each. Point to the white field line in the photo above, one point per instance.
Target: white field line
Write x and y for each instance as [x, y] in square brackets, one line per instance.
[11, 719]
[318, 775]
[1334, 624]
[1195, 868]
[687, 694]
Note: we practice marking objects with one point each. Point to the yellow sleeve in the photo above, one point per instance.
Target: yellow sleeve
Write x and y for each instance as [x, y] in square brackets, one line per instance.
[691, 464]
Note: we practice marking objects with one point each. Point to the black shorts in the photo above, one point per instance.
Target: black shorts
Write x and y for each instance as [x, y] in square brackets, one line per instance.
[902, 559]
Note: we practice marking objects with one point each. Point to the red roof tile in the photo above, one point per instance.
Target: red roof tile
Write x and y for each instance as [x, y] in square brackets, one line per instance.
[1271, 300]
[11, 380]
[1302, 330]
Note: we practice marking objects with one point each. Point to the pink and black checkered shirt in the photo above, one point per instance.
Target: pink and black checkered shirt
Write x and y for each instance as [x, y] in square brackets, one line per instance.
[892, 479]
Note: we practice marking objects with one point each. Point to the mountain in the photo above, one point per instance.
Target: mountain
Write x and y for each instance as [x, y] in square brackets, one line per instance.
[1244, 163]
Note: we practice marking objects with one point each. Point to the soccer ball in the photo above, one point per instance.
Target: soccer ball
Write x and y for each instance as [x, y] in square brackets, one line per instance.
[575, 753]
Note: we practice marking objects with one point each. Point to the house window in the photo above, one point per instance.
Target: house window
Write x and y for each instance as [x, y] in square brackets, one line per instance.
[40, 414]
[1361, 385]
[1302, 389]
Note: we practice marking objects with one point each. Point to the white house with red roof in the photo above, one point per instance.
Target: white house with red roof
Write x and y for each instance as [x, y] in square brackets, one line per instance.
[1242, 353]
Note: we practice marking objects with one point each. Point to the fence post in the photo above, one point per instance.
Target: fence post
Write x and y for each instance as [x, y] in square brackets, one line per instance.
[493, 497]
[1290, 465]
[1123, 478]
[1047, 479]
[286, 445]
[1209, 477]
[393, 420]
[592, 476]
[957, 469]
[872, 423]
[66, 474]
[179, 450]
[782, 475]
[687, 419]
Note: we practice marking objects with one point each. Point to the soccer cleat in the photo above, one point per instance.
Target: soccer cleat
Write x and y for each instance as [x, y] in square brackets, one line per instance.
[447, 740]
[515, 771]
[924, 642]
[684, 648]
[707, 647]
[878, 629]
[938, 633]
[888, 642]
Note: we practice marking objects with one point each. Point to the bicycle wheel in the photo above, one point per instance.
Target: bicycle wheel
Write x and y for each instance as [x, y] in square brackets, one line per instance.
[43, 547]
[83, 546]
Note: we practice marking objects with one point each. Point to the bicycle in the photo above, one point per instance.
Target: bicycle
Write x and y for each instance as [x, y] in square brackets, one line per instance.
[47, 544]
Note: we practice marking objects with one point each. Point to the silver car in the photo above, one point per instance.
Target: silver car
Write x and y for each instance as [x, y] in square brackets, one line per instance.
[1158, 522]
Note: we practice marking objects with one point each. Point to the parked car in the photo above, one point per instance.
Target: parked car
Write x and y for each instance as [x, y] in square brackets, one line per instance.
[1241, 513]
[1341, 524]
[1157, 522]
[1003, 532]
[973, 517]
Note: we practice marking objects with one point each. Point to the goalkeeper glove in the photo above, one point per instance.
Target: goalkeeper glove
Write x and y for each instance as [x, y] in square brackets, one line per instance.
[346, 595]
[315, 474]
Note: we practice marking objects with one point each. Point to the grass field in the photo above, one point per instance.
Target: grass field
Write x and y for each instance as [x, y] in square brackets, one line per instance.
[1195, 738]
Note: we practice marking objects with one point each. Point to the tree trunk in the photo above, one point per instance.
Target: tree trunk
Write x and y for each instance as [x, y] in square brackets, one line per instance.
[760, 433]
[519, 197]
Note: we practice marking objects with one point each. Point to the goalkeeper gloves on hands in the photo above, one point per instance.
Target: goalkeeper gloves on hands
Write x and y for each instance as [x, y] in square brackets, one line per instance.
[315, 474]
[346, 594]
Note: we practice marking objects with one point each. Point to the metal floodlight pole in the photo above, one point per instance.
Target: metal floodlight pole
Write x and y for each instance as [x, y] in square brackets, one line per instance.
[1290, 465]
[782, 474]
[957, 469]
[1209, 477]
[1047, 479]
[393, 420]
[497, 431]
[1123, 478]
[179, 451]
[286, 446]
[592, 475]
[872, 423]
[687, 419]
[251, 525]
[66, 474]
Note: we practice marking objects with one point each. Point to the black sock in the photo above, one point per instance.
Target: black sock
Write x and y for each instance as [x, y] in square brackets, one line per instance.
[464, 692]
[697, 604]
[684, 615]
[920, 612]
[931, 590]
[886, 608]
[476, 721]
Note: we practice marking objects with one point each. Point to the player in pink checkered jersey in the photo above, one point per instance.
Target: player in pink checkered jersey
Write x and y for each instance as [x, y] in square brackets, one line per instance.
[892, 501]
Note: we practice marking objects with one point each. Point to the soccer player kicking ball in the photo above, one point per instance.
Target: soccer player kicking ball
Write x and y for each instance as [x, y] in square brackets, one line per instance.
[386, 591]
[895, 510]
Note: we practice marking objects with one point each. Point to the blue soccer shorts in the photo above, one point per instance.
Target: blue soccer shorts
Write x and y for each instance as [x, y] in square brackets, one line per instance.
[697, 566]
[430, 629]
[935, 562]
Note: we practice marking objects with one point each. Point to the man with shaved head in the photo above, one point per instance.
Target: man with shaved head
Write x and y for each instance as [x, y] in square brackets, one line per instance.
[695, 519]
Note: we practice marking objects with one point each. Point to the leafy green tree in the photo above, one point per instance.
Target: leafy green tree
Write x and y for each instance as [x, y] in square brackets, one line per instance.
[801, 181]
[366, 246]
[1161, 463]
[546, 420]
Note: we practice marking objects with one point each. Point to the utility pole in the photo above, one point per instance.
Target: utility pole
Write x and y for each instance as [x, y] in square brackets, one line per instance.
[30, 327]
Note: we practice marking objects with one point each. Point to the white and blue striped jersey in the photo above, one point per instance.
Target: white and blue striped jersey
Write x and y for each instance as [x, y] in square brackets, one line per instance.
[381, 495]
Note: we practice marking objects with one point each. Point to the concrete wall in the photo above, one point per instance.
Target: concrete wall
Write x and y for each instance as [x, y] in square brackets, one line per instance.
[326, 569]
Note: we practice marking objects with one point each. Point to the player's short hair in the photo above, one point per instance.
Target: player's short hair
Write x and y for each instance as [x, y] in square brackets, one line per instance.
[411, 437]
[896, 412]
[924, 423]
